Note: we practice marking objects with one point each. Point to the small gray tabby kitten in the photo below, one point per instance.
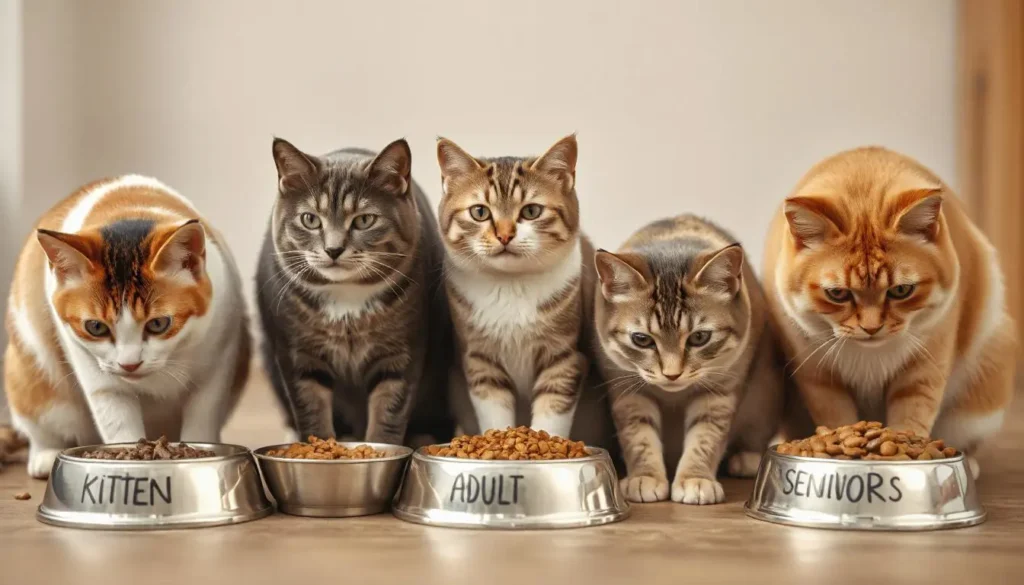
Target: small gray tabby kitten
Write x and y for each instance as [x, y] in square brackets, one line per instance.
[686, 347]
[357, 333]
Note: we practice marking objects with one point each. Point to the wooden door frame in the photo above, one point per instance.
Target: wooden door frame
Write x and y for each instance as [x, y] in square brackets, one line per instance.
[991, 141]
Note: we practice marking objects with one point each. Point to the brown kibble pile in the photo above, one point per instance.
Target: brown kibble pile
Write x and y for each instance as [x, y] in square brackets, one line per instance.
[326, 449]
[522, 443]
[870, 441]
[158, 450]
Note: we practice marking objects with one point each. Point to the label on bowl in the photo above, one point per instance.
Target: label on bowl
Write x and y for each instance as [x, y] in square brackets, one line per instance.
[863, 488]
[125, 489]
[491, 489]
[839, 485]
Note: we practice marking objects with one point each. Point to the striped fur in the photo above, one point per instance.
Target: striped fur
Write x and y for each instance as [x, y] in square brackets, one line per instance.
[688, 357]
[859, 230]
[514, 283]
[355, 344]
[125, 320]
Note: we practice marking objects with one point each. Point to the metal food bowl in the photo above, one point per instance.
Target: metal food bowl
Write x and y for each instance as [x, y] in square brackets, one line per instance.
[865, 495]
[334, 488]
[154, 495]
[472, 493]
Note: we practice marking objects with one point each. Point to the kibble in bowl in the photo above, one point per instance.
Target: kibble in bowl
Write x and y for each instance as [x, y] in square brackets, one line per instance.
[330, 478]
[153, 485]
[326, 450]
[512, 444]
[145, 450]
[866, 476]
[870, 441]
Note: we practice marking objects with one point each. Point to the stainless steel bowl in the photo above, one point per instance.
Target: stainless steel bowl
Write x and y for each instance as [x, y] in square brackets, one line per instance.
[334, 488]
[865, 495]
[470, 493]
[153, 495]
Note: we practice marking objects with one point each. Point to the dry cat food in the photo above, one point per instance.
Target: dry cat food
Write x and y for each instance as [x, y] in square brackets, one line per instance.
[23, 496]
[870, 441]
[522, 443]
[158, 450]
[326, 449]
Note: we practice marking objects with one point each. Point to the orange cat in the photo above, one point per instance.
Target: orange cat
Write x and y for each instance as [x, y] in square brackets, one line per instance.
[890, 301]
[125, 319]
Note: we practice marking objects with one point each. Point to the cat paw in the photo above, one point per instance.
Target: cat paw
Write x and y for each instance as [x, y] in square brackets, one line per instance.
[40, 462]
[975, 467]
[645, 489]
[697, 490]
[744, 464]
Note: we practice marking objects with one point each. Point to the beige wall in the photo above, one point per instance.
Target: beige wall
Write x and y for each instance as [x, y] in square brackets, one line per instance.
[709, 107]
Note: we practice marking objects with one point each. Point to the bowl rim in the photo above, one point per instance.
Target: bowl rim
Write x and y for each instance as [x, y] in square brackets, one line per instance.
[596, 453]
[403, 453]
[71, 454]
[771, 452]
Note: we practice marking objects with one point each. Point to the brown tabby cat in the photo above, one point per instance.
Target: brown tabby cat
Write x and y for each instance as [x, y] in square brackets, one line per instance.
[514, 265]
[891, 301]
[686, 348]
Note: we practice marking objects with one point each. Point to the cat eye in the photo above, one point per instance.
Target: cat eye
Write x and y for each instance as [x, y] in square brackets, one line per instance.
[158, 325]
[838, 295]
[698, 338]
[310, 221]
[96, 328]
[901, 291]
[641, 340]
[531, 211]
[480, 212]
[364, 221]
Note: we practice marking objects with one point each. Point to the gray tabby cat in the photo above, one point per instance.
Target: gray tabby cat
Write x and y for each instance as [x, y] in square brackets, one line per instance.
[356, 323]
[687, 350]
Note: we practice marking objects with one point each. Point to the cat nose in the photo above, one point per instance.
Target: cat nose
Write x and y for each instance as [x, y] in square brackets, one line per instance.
[334, 252]
[130, 367]
[672, 377]
[871, 330]
[505, 238]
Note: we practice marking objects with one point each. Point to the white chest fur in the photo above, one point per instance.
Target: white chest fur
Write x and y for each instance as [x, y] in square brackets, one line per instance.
[506, 308]
[341, 301]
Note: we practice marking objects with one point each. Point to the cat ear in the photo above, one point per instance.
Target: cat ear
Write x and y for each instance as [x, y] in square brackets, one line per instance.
[296, 170]
[69, 254]
[454, 162]
[812, 220]
[181, 249]
[622, 276]
[391, 170]
[720, 272]
[917, 213]
[559, 161]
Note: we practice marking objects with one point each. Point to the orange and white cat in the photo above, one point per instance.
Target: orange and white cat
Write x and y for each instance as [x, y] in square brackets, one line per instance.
[126, 320]
[890, 301]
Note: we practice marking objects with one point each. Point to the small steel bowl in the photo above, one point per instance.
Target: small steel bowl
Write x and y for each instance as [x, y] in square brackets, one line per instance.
[334, 488]
[154, 495]
[865, 495]
[471, 493]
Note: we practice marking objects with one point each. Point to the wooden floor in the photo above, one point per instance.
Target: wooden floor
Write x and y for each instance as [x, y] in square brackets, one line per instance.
[660, 543]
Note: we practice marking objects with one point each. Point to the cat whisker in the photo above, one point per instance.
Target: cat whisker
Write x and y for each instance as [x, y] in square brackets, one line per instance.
[391, 283]
[816, 350]
[379, 263]
[815, 339]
